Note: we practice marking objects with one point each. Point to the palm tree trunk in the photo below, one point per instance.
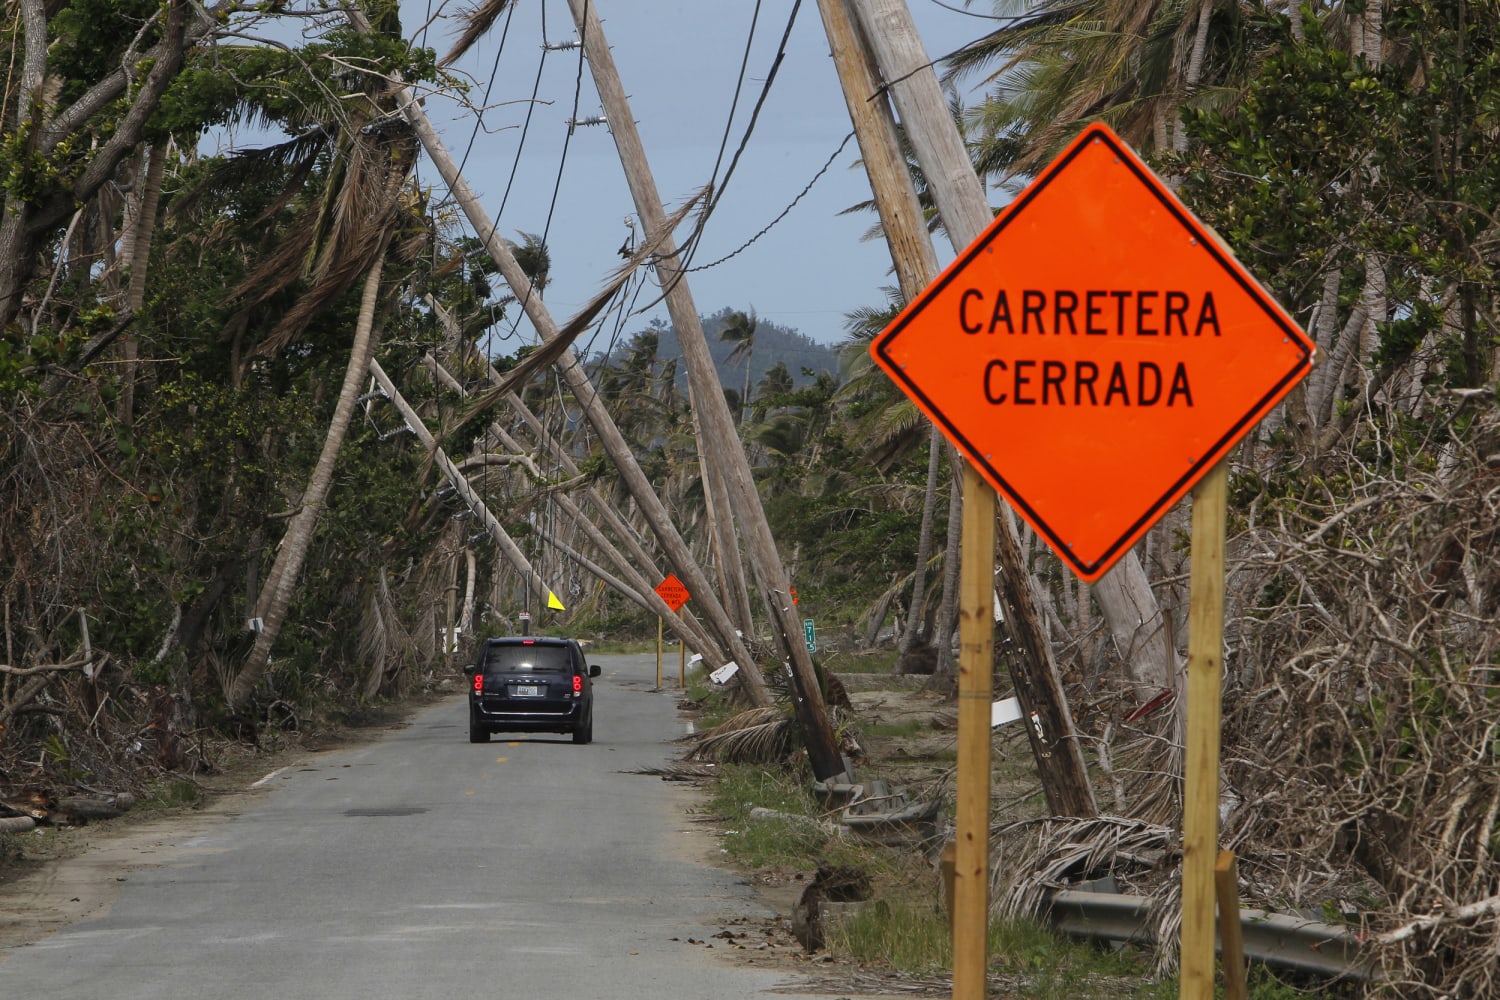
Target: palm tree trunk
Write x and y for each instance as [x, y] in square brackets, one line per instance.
[277, 595]
[947, 619]
[139, 257]
[1323, 403]
[924, 546]
[1194, 69]
[1370, 33]
[1139, 632]
[745, 398]
[535, 584]
[471, 570]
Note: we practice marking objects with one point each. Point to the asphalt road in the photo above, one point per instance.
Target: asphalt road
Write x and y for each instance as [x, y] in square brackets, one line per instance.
[425, 866]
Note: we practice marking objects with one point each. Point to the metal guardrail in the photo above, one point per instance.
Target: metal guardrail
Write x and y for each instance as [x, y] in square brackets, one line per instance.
[1281, 940]
[1277, 939]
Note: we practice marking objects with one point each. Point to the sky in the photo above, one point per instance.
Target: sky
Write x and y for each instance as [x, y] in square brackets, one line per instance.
[680, 62]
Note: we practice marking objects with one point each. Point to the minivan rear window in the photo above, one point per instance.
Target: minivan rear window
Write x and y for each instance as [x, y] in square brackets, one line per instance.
[550, 659]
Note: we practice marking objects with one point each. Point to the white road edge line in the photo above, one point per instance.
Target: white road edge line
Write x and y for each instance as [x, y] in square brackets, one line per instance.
[268, 777]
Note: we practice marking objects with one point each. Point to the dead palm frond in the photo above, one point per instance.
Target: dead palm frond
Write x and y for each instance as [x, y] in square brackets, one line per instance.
[1033, 858]
[755, 736]
[333, 245]
[477, 21]
[376, 641]
[295, 159]
[679, 772]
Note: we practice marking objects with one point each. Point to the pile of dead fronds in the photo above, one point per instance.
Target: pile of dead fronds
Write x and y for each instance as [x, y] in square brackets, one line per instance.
[754, 736]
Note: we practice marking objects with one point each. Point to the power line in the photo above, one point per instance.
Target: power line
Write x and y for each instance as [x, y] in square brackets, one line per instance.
[488, 88]
[782, 215]
[695, 238]
[734, 103]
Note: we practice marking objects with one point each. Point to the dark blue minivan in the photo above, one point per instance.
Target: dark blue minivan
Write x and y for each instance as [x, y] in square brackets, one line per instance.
[531, 684]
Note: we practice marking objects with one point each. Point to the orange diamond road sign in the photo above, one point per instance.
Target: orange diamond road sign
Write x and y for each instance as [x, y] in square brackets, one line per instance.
[1094, 352]
[673, 592]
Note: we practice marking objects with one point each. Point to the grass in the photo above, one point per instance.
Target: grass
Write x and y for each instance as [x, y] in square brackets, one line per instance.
[174, 794]
[905, 930]
[795, 839]
[617, 645]
[879, 661]
[895, 730]
[906, 935]
[765, 843]
[913, 937]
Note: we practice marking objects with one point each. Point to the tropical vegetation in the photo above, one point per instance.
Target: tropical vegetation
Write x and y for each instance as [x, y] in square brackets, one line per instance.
[257, 458]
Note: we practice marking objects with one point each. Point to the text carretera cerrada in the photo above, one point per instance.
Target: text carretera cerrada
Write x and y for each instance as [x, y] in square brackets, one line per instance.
[1015, 378]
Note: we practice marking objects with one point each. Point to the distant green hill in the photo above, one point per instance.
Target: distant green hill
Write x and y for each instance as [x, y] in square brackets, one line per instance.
[773, 344]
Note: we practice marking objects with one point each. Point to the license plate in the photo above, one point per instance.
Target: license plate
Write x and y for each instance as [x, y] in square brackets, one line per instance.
[527, 691]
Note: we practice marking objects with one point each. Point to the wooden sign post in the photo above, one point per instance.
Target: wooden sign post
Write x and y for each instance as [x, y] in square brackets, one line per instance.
[1200, 804]
[976, 639]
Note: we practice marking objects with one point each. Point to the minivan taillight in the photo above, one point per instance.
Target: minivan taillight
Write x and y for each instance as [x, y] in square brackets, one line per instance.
[479, 683]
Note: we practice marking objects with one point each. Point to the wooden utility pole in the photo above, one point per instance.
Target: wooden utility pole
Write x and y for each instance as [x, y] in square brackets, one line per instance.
[898, 52]
[720, 438]
[635, 586]
[916, 266]
[503, 542]
[901, 219]
[1125, 594]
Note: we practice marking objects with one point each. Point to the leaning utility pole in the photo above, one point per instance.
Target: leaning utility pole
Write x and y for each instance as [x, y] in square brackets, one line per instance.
[460, 482]
[898, 52]
[720, 439]
[635, 586]
[916, 264]
[1124, 593]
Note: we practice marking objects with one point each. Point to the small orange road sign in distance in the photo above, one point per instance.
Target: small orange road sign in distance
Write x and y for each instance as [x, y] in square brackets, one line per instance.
[673, 592]
[1094, 352]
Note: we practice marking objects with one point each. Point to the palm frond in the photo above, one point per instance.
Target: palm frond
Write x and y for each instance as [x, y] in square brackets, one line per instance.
[477, 22]
[755, 736]
[1032, 858]
[336, 245]
[554, 348]
[296, 157]
[374, 644]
